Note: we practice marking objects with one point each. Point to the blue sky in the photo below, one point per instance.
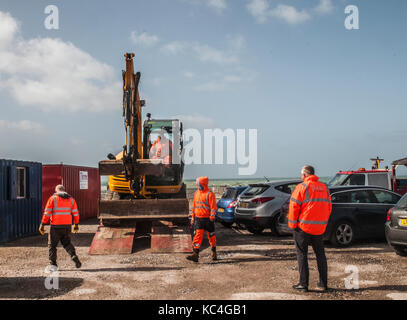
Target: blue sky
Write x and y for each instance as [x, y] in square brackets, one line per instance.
[316, 92]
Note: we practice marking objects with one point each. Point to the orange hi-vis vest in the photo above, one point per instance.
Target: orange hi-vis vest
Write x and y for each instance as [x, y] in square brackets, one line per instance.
[162, 149]
[310, 206]
[60, 209]
[204, 205]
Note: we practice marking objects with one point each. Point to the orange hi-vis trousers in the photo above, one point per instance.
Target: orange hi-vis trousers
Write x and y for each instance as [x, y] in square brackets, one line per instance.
[203, 225]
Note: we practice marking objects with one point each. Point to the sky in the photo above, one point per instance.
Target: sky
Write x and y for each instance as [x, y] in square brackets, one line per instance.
[316, 92]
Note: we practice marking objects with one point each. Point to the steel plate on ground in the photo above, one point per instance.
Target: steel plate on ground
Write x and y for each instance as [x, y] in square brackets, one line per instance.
[112, 241]
[171, 239]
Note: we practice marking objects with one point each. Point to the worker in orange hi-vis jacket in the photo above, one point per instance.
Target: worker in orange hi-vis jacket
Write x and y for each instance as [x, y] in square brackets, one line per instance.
[61, 210]
[203, 218]
[309, 212]
[162, 149]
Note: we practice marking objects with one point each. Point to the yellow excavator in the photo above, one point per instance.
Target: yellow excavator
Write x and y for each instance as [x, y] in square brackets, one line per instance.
[146, 177]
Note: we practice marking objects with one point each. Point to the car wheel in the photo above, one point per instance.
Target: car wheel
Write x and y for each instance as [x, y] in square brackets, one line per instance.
[273, 225]
[226, 224]
[255, 229]
[343, 234]
[400, 251]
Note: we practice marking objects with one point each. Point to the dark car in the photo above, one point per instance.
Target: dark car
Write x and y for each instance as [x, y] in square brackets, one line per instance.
[357, 213]
[227, 204]
[396, 227]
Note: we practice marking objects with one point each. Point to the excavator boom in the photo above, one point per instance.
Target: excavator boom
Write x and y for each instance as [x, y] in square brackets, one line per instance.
[142, 204]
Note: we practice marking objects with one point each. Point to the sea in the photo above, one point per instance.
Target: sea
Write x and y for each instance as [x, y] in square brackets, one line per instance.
[243, 182]
[230, 182]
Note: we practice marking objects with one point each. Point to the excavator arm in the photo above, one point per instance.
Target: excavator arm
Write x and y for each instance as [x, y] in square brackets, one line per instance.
[132, 165]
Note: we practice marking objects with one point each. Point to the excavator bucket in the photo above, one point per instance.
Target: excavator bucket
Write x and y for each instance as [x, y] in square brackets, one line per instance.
[144, 209]
[142, 167]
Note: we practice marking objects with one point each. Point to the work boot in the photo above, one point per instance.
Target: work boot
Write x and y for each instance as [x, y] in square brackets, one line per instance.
[214, 255]
[300, 287]
[53, 265]
[78, 264]
[194, 257]
[321, 287]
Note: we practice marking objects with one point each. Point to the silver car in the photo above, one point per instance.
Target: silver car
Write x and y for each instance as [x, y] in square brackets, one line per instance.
[396, 227]
[259, 205]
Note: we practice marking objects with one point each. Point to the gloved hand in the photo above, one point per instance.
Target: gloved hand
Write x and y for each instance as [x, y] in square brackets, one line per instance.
[75, 228]
[41, 229]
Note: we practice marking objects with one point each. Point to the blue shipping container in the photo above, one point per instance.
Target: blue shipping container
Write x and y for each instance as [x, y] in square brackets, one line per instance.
[20, 199]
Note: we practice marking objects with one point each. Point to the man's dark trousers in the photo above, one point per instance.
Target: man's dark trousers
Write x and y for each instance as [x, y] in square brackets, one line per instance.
[302, 241]
[63, 234]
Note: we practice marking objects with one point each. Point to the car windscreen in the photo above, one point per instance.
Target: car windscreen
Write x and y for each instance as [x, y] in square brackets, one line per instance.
[230, 193]
[255, 190]
[403, 202]
[338, 179]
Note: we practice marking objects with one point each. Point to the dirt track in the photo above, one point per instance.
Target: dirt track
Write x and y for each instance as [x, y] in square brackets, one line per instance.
[250, 267]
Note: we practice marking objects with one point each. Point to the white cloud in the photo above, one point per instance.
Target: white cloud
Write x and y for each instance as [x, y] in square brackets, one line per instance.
[261, 11]
[221, 84]
[157, 81]
[174, 47]
[217, 5]
[53, 75]
[324, 7]
[290, 14]
[8, 30]
[207, 53]
[23, 125]
[143, 39]
[188, 74]
[237, 42]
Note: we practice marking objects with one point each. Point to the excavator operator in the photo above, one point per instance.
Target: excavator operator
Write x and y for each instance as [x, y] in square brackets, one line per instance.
[162, 149]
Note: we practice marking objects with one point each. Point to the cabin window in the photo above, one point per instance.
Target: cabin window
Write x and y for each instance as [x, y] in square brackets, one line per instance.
[379, 180]
[21, 183]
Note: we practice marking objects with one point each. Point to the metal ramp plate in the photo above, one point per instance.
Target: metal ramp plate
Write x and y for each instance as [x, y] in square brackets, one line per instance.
[112, 241]
[171, 239]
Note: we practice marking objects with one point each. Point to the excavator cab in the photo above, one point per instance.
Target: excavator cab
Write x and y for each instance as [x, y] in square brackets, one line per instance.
[163, 140]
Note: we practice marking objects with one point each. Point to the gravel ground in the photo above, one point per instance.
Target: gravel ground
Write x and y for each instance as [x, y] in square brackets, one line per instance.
[249, 267]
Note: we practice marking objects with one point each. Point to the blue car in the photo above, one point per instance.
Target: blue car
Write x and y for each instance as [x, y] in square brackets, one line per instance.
[226, 205]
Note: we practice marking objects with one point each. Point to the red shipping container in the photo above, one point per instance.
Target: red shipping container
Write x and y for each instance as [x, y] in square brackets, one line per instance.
[82, 183]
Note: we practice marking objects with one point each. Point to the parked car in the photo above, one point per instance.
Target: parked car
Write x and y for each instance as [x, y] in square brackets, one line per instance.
[259, 205]
[357, 213]
[227, 204]
[396, 227]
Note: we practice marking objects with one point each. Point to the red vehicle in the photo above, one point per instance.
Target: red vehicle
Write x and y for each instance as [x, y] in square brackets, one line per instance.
[376, 176]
